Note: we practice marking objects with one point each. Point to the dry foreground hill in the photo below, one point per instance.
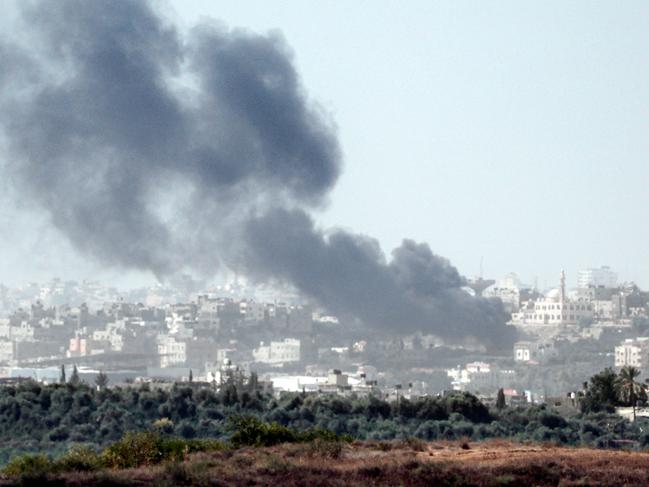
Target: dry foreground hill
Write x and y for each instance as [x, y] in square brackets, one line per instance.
[412, 463]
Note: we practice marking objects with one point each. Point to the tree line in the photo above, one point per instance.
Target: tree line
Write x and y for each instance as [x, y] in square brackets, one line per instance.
[36, 417]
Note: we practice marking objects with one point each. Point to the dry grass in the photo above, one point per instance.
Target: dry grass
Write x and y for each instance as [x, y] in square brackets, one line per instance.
[412, 463]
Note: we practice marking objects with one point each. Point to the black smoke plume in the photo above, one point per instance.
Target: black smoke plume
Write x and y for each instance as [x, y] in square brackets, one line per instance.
[162, 150]
[415, 290]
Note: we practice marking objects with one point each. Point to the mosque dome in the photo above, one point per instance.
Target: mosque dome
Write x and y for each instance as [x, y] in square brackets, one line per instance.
[554, 294]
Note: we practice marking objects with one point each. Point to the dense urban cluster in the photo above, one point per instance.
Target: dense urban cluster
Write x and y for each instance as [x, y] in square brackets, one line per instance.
[172, 332]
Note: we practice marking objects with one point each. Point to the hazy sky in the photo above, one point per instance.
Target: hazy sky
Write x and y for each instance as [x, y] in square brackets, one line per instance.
[516, 132]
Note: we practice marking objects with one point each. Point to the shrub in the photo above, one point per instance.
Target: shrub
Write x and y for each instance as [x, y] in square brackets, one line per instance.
[323, 435]
[187, 430]
[134, 450]
[468, 406]
[250, 431]
[427, 430]
[176, 449]
[462, 428]
[29, 465]
[163, 425]
[205, 445]
[149, 448]
[79, 459]
[551, 420]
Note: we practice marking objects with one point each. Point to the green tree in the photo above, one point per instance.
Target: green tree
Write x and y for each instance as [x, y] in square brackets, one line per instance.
[253, 382]
[500, 400]
[62, 378]
[101, 380]
[629, 390]
[601, 393]
[74, 378]
[191, 376]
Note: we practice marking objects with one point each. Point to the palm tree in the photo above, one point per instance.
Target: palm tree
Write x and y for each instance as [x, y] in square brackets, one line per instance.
[629, 389]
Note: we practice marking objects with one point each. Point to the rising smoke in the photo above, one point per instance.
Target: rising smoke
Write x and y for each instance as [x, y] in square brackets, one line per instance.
[165, 151]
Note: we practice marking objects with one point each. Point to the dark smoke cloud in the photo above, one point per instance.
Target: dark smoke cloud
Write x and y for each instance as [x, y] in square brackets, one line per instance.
[415, 290]
[159, 150]
[105, 127]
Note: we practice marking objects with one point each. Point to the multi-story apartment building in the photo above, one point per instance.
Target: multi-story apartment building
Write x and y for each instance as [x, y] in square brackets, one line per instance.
[633, 352]
[171, 351]
[287, 350]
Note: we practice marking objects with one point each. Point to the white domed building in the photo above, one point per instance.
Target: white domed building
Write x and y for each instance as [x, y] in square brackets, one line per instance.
[555, 308]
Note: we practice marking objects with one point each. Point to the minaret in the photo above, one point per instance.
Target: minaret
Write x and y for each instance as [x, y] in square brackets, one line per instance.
[562, 297]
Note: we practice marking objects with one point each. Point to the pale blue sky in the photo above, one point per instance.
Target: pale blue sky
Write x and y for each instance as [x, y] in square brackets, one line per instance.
[513, 131]
[516, 131]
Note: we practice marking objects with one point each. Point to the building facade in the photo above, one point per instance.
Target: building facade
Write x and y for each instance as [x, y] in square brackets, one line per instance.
[277, 352]
[601, 277]
[555, 308]
[534, 352]
[632, 352]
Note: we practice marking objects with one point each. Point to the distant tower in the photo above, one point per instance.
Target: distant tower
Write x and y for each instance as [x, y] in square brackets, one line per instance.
[562, 295]
[478, 285]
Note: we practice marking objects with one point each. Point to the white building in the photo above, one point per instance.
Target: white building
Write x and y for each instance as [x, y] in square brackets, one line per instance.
[7, 350]
[602, 277]
[478, 367]
[538, 352]
[287, 350]
[171, 351]
[510, 281]
[554, 309]
[298, 383]
[22, 332]
[632, 352]
[474, 376]
[180, 325]
[337, 378]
